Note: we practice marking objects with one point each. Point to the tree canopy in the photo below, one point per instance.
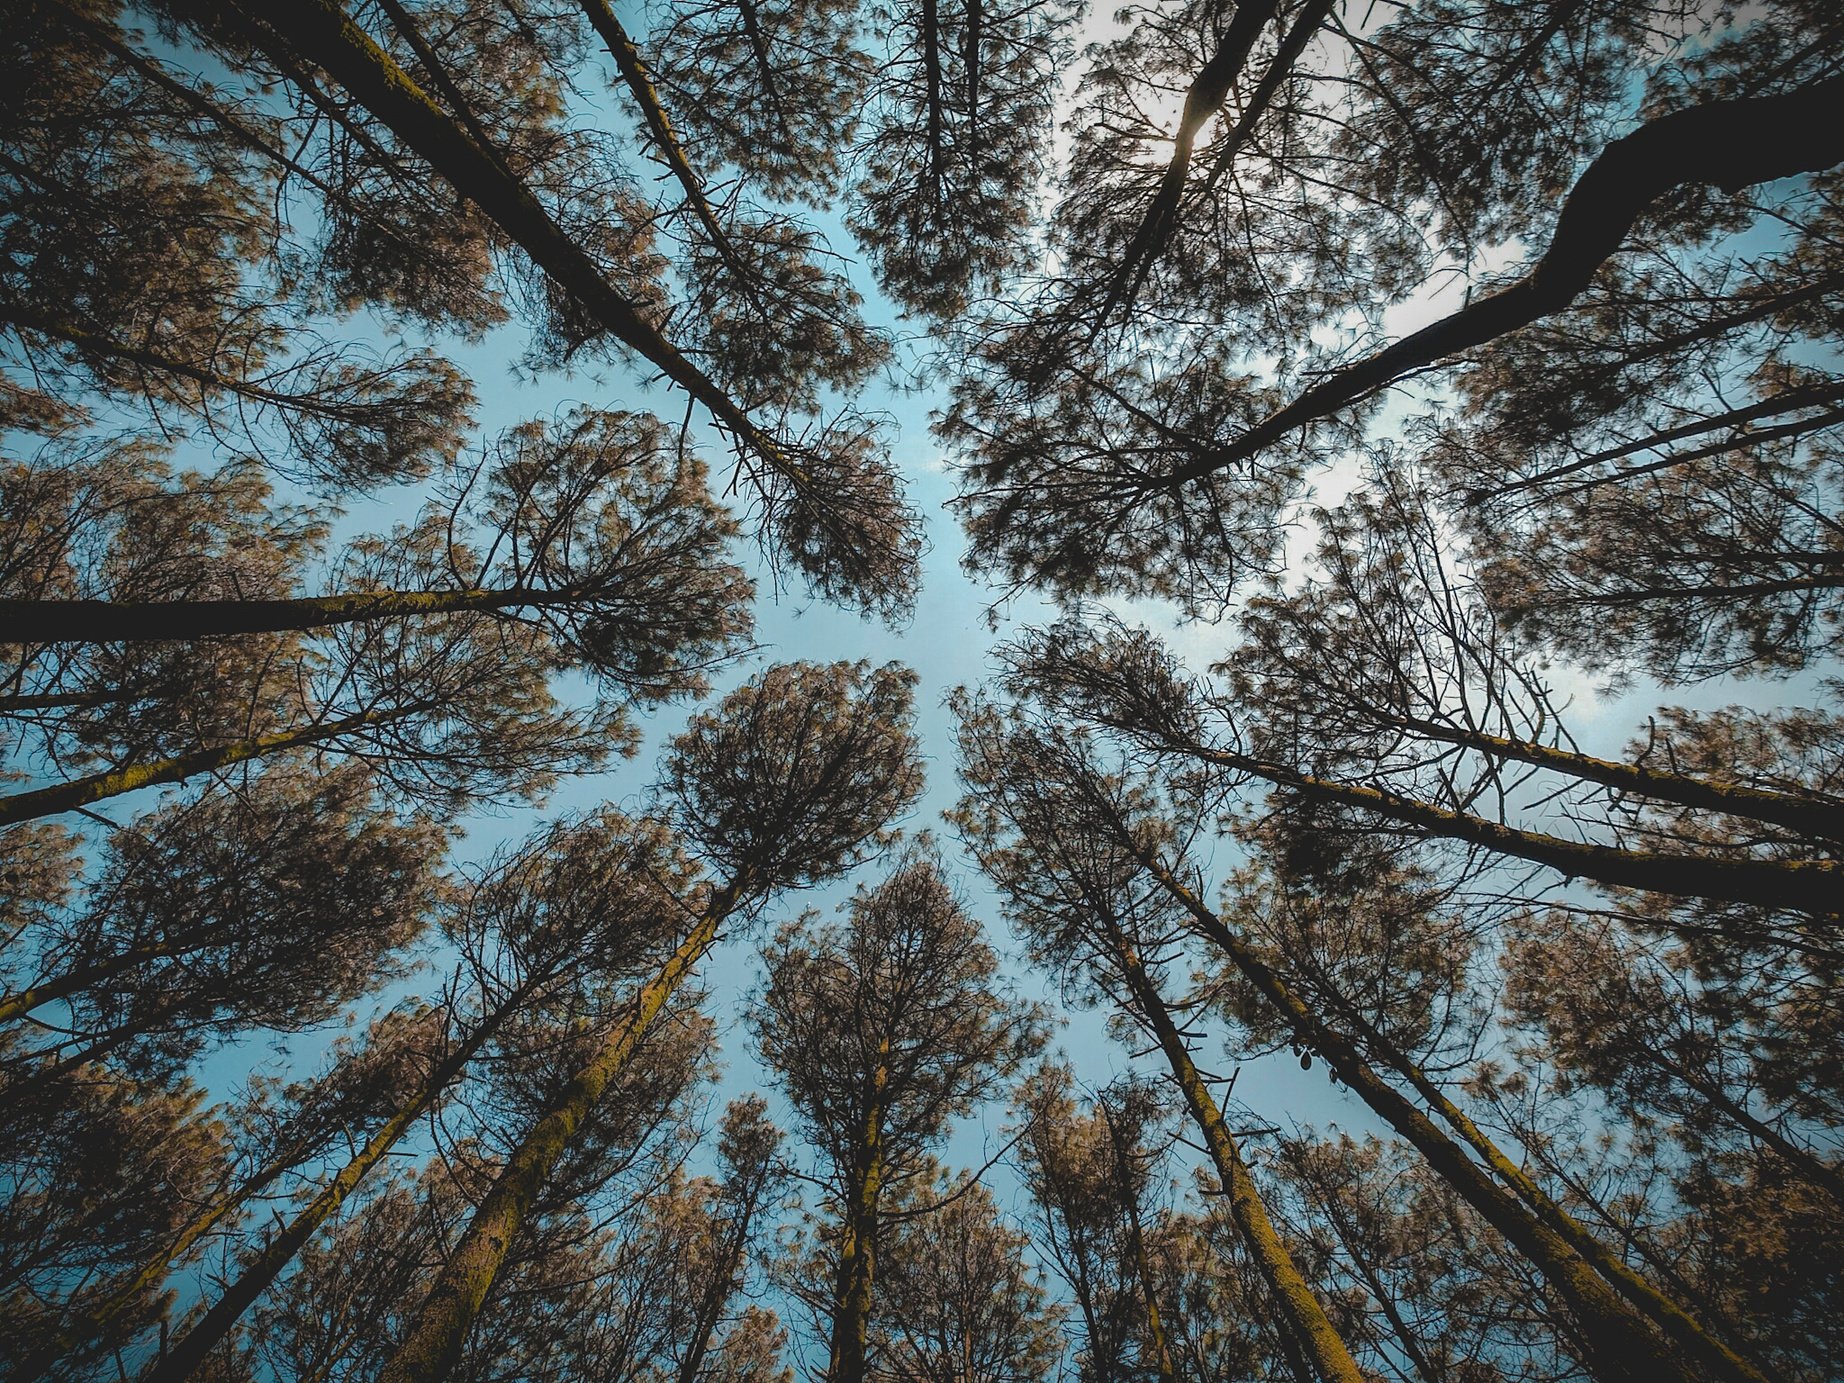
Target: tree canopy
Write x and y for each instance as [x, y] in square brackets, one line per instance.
[520, 520]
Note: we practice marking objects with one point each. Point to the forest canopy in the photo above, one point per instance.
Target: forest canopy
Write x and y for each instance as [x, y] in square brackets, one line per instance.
[1343, 881]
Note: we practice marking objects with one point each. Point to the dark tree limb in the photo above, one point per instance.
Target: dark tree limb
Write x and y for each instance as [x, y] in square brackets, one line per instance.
[1725, 144]
[1203, 99]
[152, 621]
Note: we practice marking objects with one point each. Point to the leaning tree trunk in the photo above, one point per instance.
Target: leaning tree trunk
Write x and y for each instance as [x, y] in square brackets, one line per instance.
[155, 621]
[1730, 144]
[1636, 1288]
[857, 1271]
[432, 1345]
[325, 34]
[1306, 1318]
[1811, 886]
[80, 792]
[17, 1005]
[1807, 815]
[1620, 1339]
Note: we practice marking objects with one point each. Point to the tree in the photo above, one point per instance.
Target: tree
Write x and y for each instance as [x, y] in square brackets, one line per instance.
[1081, 896]
[563, 911]
[753, 1176]
[588, 525]
[1367, 159]
[957, 1301]
[794, 778]
[882, 1031]
[567, 1280]
[1125, 680]
[1634, 1023]
[829, 500]
[101, 1174]
[593, 548]
[1079, 847]
[271, 1139]
[1092, 1179]
[1426, 1290]
[144, 265]
[1437, 360]
[963, 113]
[273, 907]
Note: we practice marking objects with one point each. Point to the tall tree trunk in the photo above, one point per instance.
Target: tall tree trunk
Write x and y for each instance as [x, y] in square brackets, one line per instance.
[80, 792]
[1635, 1287]
[16, 1006]
[1306, 1318]
[1802, 1160]
[932, 94]
[857, 1271]
[60, 701]
[1203, 99]
[183, 1357]
[1621, 1340]
[321, 32]
[1807, 815]
[96, 1320]
[639, 81]
[766, 72]
[432, 1345]
[1738, 419]
[1409, 1342]
[151, 621]
[1800, 885]
[1142, 1264]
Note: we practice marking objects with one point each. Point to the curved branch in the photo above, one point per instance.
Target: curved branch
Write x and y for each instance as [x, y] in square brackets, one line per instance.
[1726, 144]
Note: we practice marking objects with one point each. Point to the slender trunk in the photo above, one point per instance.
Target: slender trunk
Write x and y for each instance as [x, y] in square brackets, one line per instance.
[931, 82]
[1730, 144]
[1703, 590]
[431, 1346]
[639, 81]
[1803, 1162]
[851, 1298]
[1621, 1340]
[49, 1074]
[80, 792]
[1735, 442]
[1142, 1264]
[405, 25]
[185, 1355]
[1203, 99]
[96, 1321]
[1304, 1315]
[322, 32]
[765, 64]
[1406, 1338]
[61, 701]
[1735, 418]
[150, 621]
[16, 1006]
[1670, 1316]
[1306, 24]
[1808, 815]
[1800, 885]
[20, 318]
[970, 64]
[722, 1286]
